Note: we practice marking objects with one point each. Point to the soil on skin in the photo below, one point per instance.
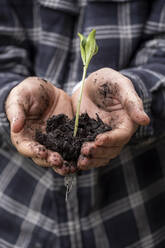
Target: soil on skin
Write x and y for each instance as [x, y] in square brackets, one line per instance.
[59, 134]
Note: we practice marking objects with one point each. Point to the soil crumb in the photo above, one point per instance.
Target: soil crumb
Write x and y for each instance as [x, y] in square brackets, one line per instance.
[59, 134]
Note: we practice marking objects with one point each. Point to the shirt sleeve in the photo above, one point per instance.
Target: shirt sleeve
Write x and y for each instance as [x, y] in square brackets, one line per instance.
[147, 71]
[15, 62]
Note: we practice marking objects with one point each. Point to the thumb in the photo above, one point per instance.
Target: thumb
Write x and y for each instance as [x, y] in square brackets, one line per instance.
[134, 107]
[132, 103]
[16, 116]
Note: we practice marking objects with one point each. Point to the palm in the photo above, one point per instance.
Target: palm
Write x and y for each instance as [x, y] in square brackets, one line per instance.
[114, 114]
[107, 106]
[40, 101]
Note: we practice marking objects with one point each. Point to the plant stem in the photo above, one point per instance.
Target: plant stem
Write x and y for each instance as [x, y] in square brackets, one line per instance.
[79, 101]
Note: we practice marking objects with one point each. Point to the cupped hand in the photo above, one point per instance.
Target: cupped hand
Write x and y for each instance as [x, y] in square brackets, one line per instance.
[28, 106]
[113, 97]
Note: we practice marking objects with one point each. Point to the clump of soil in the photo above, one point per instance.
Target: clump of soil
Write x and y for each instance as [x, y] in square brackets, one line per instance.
[59, 134]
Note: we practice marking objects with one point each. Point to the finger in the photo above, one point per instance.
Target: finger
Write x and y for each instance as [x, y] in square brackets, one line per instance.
[41, 162]
[66, 169]
[62, 172]
[53, 160]
[30, 148]
[134, 108]
[100, 152]
[133, 104]
[16, 116]
[85, 163]
[116, 137]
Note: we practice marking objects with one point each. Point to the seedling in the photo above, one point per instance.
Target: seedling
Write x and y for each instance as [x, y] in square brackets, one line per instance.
[88, 49]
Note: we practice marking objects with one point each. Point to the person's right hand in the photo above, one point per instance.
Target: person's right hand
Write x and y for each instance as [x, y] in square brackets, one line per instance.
[28, 106]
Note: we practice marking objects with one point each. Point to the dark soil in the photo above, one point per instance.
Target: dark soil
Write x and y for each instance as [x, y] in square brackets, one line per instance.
[59, 134]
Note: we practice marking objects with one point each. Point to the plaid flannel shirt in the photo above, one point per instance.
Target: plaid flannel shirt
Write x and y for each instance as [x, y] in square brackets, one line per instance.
[123, 204]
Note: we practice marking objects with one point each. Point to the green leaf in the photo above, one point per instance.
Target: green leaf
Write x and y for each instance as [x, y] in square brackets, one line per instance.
[91, 47]
[82, 47]
[88, 47]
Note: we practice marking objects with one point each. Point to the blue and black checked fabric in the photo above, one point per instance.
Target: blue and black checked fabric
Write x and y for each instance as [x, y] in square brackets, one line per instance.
[123, 204]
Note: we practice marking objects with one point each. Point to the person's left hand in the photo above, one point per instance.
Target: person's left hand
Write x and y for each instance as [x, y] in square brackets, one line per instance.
[113, 97]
